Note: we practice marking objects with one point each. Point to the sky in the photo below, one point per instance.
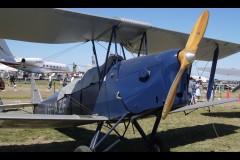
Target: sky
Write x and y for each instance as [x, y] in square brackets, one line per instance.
[223, 25]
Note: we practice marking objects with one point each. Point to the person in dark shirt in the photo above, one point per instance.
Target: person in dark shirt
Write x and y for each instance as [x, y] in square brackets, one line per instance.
[2, 84]
[12, 79]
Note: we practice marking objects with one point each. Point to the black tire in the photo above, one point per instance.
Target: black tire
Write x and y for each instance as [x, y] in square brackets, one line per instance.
[83, 149]
[160, 145]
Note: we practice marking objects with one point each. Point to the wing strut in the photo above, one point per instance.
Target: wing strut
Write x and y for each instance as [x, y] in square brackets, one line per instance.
[108, 50]
[95, 54]
[144, 37]
[212, 74]
[124, 56]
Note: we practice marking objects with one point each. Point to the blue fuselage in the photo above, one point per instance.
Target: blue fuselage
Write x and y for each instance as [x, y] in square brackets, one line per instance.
[130, 86]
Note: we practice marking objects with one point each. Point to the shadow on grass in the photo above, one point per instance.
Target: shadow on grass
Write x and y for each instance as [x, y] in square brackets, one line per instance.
[223, 114]
[188, 135]
[175, 137]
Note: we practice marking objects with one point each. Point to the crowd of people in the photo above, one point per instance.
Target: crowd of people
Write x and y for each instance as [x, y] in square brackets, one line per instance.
[10, 79]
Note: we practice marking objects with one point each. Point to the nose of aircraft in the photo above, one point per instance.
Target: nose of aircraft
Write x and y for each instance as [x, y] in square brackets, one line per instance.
[186, 57]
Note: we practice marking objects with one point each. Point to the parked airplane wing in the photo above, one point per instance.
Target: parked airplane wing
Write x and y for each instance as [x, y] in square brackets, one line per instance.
[62, 26]
[20, 105]
[236, 88]
[46, 121]
[204, 104]
[223, 71]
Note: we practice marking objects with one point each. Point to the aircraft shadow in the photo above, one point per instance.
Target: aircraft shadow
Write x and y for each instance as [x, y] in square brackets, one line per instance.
[175, 137]
[188, 135]
[223, 114]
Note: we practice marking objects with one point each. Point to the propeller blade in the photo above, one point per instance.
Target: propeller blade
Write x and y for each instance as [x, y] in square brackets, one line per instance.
[186, 57]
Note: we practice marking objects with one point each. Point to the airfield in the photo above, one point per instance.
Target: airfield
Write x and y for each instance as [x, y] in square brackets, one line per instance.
[199, 131]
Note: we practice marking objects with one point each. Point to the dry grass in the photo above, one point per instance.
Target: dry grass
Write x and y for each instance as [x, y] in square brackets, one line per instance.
[200, 131]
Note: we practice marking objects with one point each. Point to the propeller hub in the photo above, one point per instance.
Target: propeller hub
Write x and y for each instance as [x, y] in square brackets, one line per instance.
[190, 57]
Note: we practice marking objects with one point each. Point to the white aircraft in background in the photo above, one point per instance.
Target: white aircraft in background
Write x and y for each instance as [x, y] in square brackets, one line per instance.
[36, 65]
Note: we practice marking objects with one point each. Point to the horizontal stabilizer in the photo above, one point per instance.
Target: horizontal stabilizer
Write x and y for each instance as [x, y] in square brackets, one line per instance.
[46, 121]
[205, 104]
[20, 105]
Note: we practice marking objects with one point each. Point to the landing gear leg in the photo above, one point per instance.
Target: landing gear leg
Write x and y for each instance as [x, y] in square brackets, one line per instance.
[155, 144]
[95, 142]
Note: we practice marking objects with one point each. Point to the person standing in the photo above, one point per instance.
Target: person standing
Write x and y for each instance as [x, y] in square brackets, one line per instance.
[2, 84]
[198, 90]
[191, 91]
[64, 81]
[49, 81]
[12, 80]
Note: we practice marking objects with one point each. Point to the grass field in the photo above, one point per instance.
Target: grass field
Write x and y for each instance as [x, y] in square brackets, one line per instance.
[200, 131]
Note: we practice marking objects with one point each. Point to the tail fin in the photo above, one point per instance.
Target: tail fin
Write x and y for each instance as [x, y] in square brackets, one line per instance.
[5, 52]
[36, 96]
[76, 68]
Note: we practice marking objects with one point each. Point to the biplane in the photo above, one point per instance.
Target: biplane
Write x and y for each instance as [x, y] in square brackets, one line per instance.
[120, 90]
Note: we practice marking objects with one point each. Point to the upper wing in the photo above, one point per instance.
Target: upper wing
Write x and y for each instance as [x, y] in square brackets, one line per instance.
[204, 104]
[223, 71]
[161, 39]
[62, 26]
[46, 121]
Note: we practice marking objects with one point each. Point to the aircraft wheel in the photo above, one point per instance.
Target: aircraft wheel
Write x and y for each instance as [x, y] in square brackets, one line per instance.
[83, 149]
[160, 145]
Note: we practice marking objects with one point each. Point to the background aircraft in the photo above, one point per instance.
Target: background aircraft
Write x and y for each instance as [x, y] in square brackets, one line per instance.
[223, 71]
[120, 90]
[35, 65]
[226, 72]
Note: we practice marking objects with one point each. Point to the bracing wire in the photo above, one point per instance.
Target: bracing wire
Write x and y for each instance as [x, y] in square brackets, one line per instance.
[197, 67]
[104, 47]
[64, 51]
[204, 68]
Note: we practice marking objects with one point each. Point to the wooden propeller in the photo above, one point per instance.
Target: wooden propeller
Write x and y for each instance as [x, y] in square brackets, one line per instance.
[186, 57]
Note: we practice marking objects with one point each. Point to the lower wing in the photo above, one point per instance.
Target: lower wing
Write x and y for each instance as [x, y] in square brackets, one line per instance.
[204, 104]
[46, 121]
